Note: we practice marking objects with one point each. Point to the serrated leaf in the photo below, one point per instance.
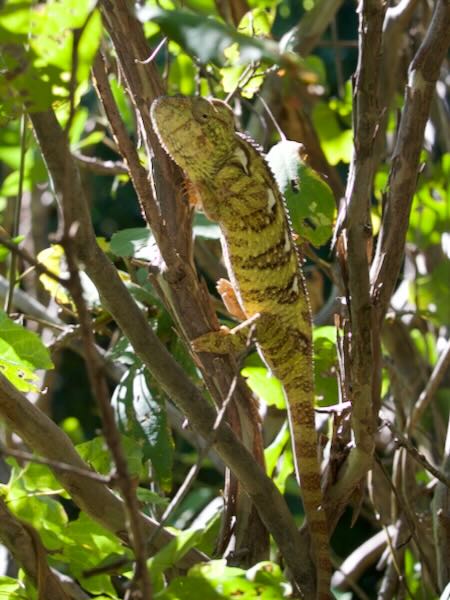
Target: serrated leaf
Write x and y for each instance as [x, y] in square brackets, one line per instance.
[309, 198]
[21, 352]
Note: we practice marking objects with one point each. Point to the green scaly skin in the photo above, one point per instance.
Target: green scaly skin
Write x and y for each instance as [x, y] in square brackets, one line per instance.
[238, 191]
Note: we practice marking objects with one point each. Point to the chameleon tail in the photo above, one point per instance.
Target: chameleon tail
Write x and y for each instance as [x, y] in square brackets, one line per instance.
[303, 432]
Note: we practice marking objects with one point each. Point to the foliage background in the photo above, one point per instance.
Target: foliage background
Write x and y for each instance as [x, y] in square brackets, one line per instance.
[210, 50]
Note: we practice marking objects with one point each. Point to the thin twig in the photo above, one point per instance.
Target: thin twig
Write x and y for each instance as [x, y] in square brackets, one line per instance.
[439, 371]
[17, 211]
[56, 465]
[100, 167]
[26, 256]
[94, 366]
[400, 440]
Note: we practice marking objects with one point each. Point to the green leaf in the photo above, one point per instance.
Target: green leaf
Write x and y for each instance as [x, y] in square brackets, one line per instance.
[205, 228]
[310, 200]
[34, 173]
[430, 211]
[37, 62]
[207, 38]
[90, 140]
[45, 514]
[123, 103]
[182, 74]
[148, 497]
[87, 545]
[432, 292]
[39, 478]
[170, 554]
[142, 414]
[266, 386]
[5, 252]
[273, 452]
[134, 242]
[325, 361]
[336, 141]
[22, 353]
[12, 589]
[53, 258]
[96, 453]
[216, 581]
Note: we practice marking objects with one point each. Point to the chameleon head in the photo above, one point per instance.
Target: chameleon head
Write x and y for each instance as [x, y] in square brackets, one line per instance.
[197, 133]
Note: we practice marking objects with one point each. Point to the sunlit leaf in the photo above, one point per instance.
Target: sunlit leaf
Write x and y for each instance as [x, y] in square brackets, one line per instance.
[22, 353]
[53, 258]
[12, 589]
[267, 387]
[309, 198]
[87, 545]
[325, 361]
[217, 581]
[96, 453]
[171, 553]
[336, 140]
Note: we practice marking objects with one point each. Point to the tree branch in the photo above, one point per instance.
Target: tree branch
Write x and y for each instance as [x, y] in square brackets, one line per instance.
[169, 215]
[48, 440]
[117, 300]
[423, 73]
[356, 208]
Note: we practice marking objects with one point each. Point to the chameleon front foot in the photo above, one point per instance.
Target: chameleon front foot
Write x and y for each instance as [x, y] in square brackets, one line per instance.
[218, 342]
[226, 340]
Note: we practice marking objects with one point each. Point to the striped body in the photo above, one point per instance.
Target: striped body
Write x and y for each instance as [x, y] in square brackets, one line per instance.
[238, 191]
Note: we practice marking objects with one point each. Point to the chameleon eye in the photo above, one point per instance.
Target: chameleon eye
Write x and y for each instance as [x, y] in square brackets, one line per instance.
[201, 110]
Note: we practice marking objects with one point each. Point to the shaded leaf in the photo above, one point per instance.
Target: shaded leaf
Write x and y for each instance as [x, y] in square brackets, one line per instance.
[142, 414]
[134, 242]
[205, 228]
[207, 38]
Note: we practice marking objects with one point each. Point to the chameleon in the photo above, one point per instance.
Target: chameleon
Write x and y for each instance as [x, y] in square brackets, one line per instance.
[266, 287]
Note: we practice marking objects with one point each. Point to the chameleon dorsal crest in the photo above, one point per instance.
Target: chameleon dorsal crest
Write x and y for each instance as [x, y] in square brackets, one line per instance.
[266, 287]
